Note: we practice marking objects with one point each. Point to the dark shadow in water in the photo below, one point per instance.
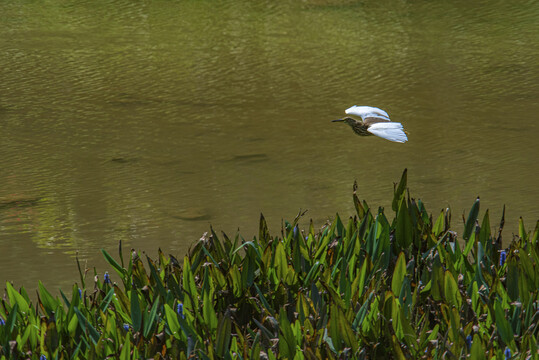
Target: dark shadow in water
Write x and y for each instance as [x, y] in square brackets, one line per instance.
[19, 203]
[249, 158]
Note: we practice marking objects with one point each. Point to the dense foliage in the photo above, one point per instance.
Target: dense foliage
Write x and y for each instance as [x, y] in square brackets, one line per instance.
[364, 288]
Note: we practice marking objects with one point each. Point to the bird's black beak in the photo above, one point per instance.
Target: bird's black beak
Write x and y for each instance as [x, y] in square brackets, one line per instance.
[337, 120]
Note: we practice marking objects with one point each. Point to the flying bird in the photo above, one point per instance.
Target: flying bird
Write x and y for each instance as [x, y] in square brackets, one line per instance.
[374, 121]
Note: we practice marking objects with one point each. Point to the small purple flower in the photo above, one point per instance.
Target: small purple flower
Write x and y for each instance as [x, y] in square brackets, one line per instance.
[469, 341]
[296, 230]
[179, 310]
[42, 357]
[106, 278]
[80, 293]
[2, 322]
[503, 256]
[126, 327]
[507, 353]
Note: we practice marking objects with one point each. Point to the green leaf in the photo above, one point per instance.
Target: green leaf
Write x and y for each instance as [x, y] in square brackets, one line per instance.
[86, 326]
[287, 341]
[188, 330]
[106, 301]
[401, 324]
[398, 274]
[313, 272]
[360, 316]
[253, 246]
[150, 319]
[436, 280]
[121, 300]
[400, 191]
[139, 273]
[75, 354]
[359, 281]
[372, 239]
[263, 234]
[255, 346]
[281, 262]
[209, 255]
[136, 314]
[521, 230]
[117, 267]
[16, 298]
[405, 297]
[502, 325]
[172, 321]
[342, 329]
[10, 321]
[397, 350]
[535, 235]
[263, 300]
[64, 297]
[265, 332]
[484, 234]
[513, 277]
[439, 225]
[454, 320]
[469, 244]
[126, 349]
[73, 324]
[477, 352]
[357, 203]
[223, 336]
[25, 336]
[451, 290]
[470, 222]
[49, 302]
[189, 285]
[237, 282]
[527, 267]
[209, 312]
[404, 231]
[434, 333]
[157, 279]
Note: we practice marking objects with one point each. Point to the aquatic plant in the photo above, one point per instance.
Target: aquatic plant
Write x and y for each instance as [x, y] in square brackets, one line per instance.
[363, 287]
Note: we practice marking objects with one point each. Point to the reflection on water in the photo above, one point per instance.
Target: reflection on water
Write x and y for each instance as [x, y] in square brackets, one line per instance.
[147, 122]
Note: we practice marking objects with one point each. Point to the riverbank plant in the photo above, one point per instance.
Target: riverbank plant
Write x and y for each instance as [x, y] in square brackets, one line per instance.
[365, 287]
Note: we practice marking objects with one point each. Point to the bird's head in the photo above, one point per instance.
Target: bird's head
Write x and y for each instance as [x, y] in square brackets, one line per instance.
[350, 121]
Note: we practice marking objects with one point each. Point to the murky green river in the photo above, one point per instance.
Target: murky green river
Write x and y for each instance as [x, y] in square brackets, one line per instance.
[149, 121]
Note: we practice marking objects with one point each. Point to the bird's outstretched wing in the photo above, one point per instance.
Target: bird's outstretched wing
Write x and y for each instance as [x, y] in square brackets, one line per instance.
[389, 130]
[367, 111]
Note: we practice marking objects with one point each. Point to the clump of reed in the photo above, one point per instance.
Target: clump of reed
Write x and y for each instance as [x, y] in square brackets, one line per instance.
[365, 287]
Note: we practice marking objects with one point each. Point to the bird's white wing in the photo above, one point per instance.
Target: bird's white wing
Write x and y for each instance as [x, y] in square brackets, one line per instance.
[367, 111]
[389, 130]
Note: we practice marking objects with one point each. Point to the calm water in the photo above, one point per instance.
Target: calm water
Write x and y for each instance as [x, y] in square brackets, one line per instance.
[147, 121]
